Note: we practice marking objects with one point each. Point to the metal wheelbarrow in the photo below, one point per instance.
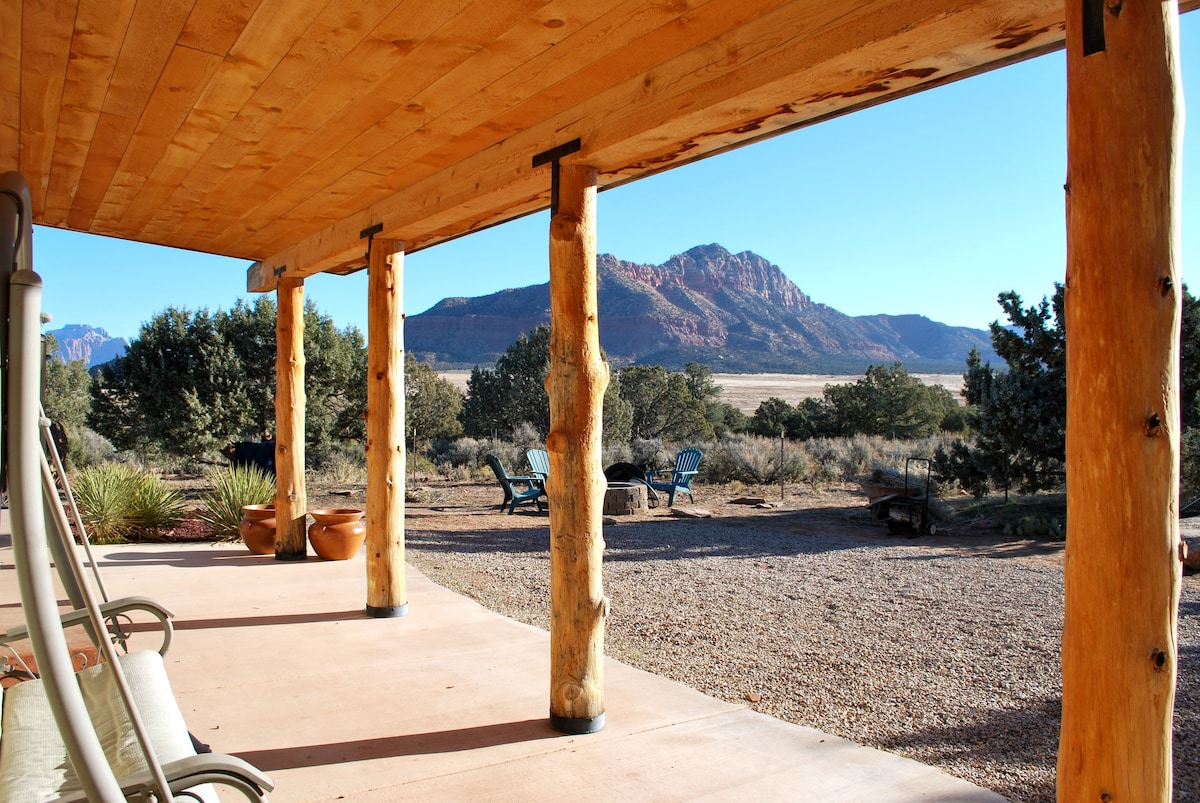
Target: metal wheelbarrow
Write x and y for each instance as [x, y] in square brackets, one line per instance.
[905, 509]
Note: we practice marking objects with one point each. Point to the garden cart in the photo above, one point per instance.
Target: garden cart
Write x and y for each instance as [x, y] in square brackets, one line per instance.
[905, 509]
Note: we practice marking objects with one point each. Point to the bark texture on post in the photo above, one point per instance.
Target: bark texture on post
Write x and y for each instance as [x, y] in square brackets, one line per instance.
[387, 594]
[575, 489]
[291, 496]
[1123, 301]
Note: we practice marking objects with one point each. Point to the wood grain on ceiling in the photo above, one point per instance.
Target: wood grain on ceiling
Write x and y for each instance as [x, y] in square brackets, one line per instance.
[278, 130]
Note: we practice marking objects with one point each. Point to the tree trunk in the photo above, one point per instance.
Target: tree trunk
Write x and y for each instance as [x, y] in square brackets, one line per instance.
[386, 591]
[291, 498]
[1123, 307]
[575, 488]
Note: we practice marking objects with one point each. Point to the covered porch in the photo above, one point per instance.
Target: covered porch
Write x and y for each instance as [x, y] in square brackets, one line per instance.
[313, 138]
[281, 668]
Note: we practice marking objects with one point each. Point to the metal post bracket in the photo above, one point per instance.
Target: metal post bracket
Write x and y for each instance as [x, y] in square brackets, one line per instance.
[552, 158]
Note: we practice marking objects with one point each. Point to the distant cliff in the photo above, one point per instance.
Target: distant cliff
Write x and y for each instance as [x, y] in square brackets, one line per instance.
[735, 312]
[88, 343]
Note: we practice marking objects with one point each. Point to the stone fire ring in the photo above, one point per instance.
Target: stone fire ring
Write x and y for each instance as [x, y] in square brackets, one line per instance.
[625, 499]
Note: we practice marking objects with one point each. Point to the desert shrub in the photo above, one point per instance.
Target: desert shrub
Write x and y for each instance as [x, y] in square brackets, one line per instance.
[88, 448]
[512, 457]
[230, 489]
[341, 463]
[754, 459]
[525, 437]
[822, 460]
[617, 453]
[419, 463]
[650, 453]
[119, 503]
[856, 454]
[460, 473]
[461, 452]
[342, 451]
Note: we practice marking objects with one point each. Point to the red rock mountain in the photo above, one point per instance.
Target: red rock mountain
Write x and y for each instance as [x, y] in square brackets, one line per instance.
[734, 312]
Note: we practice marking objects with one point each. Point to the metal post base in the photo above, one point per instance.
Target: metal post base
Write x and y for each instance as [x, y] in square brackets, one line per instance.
[576, 725]
[387, 612]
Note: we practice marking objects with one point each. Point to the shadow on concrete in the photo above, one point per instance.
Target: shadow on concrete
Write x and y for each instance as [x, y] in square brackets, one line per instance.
[189, 558]
[415, 744]
[255, 621]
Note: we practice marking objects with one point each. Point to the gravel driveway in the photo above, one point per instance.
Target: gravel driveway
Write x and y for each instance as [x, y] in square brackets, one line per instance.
[945, 649]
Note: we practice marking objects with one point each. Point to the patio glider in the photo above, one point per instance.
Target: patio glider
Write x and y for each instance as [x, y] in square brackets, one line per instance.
[687, 463]
[71, 572]
[513, 496]
[112, 732]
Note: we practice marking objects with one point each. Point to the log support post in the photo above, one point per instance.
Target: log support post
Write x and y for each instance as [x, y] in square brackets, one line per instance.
[387, 594]
[291, 496]
[1123, 309]
[575, 489]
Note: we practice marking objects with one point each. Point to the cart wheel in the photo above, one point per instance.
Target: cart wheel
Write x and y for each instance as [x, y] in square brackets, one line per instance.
[931, 529]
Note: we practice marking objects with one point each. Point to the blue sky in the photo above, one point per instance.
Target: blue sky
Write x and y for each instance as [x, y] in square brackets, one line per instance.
[932, 204]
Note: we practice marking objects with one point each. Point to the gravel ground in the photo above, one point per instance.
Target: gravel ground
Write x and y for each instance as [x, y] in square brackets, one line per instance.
[943, 649]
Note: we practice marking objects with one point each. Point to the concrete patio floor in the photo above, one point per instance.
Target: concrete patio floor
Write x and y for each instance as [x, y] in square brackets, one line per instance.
[277, 663]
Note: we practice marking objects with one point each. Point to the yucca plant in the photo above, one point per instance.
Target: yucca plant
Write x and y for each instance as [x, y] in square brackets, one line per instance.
[105, 495]
[119, 503]
[156, 507]
[231, 488]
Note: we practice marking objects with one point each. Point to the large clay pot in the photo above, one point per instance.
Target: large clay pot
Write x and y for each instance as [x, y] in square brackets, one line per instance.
[337, 533]
[257, 528]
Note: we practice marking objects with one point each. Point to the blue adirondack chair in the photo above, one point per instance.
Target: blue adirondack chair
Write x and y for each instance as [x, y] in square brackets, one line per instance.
[539, 464]
[687, 463]
[513, 496]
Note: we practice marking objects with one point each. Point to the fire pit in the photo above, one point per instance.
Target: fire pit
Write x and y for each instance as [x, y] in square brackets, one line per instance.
[625, 498]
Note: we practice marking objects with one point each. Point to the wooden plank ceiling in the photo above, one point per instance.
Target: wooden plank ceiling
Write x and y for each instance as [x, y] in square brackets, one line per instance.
[277, 130]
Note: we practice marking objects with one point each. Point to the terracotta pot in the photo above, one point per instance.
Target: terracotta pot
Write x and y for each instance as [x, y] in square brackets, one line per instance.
[337, 533]
[257, 528]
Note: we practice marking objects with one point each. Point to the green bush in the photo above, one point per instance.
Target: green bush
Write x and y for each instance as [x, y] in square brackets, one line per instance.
[1189, 463]
[119, 503]
[960, 466]
[230, 489]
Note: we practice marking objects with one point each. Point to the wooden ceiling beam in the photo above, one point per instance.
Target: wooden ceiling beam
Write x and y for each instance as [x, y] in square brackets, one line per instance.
[95, 46]
[40, 89]
[10, 81]
[403, 51]
[278, 129]
[414, 124]
[804, 68]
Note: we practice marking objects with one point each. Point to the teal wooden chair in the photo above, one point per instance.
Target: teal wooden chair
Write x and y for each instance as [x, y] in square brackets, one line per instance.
[539, 464]
[687, 463]
[513, 495]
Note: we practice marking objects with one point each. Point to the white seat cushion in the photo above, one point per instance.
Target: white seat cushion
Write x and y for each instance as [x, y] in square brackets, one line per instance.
[33, 760]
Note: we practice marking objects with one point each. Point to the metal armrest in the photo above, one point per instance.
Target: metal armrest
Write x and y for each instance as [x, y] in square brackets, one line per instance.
[111, 610]
[193, 771]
